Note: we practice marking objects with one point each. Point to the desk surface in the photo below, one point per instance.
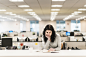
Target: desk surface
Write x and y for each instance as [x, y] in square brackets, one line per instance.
[27, 53]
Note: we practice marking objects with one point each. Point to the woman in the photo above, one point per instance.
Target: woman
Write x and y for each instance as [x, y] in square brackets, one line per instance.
[51, 40]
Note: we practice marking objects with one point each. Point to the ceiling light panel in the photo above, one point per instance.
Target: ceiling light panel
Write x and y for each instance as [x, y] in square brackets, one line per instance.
[23, 6]
[16, 0]
[35, 15]
[28, 10]
[2, 10]
[53, 15]
[82, 9]
[8, 12]
[8, 18]
[73, 14]
[56, 6]
[81, 18]
[58, 0]
[18, 16]
[55, 9]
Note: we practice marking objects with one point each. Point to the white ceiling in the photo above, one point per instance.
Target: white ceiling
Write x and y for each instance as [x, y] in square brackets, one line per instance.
[43, 8]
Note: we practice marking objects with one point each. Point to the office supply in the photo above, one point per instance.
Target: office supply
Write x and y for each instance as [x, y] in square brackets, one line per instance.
[14, 47]
[54, 52]
[25, 47]
[4, 35]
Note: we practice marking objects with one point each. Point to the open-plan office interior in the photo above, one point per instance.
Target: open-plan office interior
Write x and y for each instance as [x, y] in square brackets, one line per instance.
[22, 23]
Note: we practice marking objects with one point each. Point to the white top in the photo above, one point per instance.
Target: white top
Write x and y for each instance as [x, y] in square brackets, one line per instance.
[56, 44]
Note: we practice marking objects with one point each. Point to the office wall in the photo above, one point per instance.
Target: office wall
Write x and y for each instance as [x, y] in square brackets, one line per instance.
[24, 25]
[83, 26]
[28, 26]
[68, 25]
[42, 24]
[6, 26]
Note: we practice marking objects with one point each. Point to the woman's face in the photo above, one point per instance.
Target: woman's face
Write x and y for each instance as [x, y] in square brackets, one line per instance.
[48, 33]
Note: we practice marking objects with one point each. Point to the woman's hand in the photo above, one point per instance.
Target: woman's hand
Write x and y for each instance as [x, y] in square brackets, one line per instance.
[51, 49]
[48, 37]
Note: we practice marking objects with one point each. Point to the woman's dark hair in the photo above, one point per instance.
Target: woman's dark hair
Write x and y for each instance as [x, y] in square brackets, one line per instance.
[49, 27]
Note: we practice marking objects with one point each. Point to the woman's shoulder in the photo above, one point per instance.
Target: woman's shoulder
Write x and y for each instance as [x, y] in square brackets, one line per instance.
[57, 35]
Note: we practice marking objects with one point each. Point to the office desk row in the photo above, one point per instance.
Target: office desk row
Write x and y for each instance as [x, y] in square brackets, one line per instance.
[27, 53]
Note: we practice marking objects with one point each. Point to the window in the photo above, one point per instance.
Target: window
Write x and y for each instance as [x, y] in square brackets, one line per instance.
[34, 27]
[60, 25]
[75, 25]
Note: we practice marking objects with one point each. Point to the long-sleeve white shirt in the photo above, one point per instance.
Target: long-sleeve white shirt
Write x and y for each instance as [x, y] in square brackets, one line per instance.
[56, 44]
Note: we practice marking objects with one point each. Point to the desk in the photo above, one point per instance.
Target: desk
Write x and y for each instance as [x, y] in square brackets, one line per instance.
[27, 53]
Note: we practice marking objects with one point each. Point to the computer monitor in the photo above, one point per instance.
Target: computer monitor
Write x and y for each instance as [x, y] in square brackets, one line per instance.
[0, 36]
[10, 31]
[67, 33]
[71, 33]
[6, 42]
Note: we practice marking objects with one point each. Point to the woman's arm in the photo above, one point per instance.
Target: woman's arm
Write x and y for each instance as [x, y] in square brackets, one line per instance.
[59, 43]
[45, 45]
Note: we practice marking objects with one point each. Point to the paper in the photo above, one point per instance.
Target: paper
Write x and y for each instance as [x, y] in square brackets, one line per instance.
[46, 51]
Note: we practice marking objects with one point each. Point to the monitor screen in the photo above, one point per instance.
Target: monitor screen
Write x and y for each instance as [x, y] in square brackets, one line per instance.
[6, 42]
[10, 31]
[71, 33]
[67, 33]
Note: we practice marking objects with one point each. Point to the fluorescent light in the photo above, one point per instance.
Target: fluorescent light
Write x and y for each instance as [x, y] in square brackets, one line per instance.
[68, 17]
[77, 12]
[7, 18]
[56, 6]
[53, 15]
[32, 13]
[84, 16]
[16, 0]
[18, 16]
[2, 10]
[35, 15]
[23, 6]
[58, 0]
[54, 12]
[8, 12]
[27, 20]
[28, 10]
[81, 18]
[74, 13]
[82, 9]
[12, 14]
[15, 20]
[55, 9]
[84, 5]
[4, 17]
